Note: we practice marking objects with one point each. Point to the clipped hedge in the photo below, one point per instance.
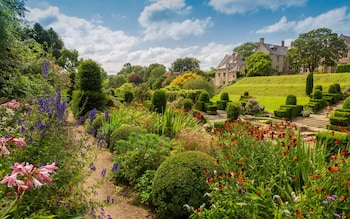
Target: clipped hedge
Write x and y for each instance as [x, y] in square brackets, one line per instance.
[342, 68]
[181, 180]
[288, 111]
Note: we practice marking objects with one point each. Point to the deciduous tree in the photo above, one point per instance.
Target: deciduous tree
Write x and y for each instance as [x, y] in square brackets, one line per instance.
[246, 49]
[185, 64]
[315, 48]
[259, 64]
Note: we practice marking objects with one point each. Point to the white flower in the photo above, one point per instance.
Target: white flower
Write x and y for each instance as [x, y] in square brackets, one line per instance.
[295, 197]
[189, 208]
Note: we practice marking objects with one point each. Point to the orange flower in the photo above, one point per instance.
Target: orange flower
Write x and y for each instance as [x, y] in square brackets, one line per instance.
[298, 213]
[206, 171]
[228, 156]
[240, 180]
[337, 141]
[217, 163]
[295, 159]
[222, 175]
[343, 198]
[319, 175]
[258, 193]
[334, 156]
[331, 133]
[297, 178]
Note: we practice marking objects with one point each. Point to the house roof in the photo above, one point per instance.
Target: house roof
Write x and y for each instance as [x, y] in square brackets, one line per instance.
[276, 49]
[231, 61]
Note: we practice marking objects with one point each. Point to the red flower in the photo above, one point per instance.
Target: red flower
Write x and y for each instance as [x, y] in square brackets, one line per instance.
[295, 159]
[343, 198]
[228, 156]
[297, 178]
[298, 213]
[337, 141]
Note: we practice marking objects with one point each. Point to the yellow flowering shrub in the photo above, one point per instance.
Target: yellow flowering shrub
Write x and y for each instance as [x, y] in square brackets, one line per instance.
[183, 78]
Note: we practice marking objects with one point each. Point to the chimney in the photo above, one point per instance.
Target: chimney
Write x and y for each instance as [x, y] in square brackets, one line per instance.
[261, 40]
[282, 43]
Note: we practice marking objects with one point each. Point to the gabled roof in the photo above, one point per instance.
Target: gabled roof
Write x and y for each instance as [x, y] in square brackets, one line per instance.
[231, 61]
[276, 49]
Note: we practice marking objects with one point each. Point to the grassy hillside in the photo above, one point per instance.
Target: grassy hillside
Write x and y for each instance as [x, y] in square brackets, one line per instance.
[271, 91]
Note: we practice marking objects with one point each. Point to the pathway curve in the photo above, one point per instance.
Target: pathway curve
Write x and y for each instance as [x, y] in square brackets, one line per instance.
[112, 202]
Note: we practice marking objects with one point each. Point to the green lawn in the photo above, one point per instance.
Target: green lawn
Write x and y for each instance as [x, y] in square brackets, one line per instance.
[271, 91]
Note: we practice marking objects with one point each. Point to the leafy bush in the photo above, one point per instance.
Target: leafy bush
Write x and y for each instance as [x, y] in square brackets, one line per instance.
[337, 87]
[194, 140]
[200, 84]
[291, 100]
[224, 96]
[346, 104]
[122, 133]
[233, 110]
[318, 87]
[342, 68]
[184, 78]
[334, 141]
[332, 89]
[317, 94]
[159, 101]
[128, 96]
[187, 104]
[246, 93]
[204, 97]
[180, 180]
[252, 107]
[139, 153]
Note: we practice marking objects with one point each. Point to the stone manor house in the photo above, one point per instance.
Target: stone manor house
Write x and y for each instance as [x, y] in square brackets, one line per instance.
[226, 71]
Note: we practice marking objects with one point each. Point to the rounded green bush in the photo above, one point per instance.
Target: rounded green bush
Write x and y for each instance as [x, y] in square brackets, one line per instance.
[224, 96]
[318, 87]
[246, 93]
[332, 89]
[159, 100]
[291, 100]
[123, 133]
[317, 94]
[233, 110]
[204, 97]
[128, 96]
[187, 103]
[338, 88]
[181, 180]
[346, 104]
[97, 123]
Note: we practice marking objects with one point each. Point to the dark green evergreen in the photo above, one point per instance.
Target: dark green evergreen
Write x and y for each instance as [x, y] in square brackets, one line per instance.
[309, 83]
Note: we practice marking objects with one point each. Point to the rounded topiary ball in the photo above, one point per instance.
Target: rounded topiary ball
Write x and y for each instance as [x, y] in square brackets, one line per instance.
[337, 87]
[332, 89]
[224, 96]
[233, 110]
[291, 100]
[346, 104]
[317, 94]
[204, 97]
[187, 104]
[181, 180]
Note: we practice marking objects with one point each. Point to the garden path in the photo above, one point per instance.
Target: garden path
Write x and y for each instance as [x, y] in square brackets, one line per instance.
[101, 188]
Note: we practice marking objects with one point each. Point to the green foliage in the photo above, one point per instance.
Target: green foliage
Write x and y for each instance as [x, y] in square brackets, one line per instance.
[291, 100]
[187, 104]
[182, 79]
[332, 89]
[342, 68]
[200, 84]
[144, 186]
[233, 110]
[334, 142]
[225, 97]
[98, 121]
[115, 81]
[309, 83]
[259, 64]
[314, 48]
[135, 78]
[185, 64]
[317, 94]
[337, 87]
[180, 180]
[141, 152]
[142, 92]
[252, 107]
[84, 101]
[346, 104]
[318, 87]
[128, 96]
[159, 101]
[204, 97]
[89, 76]
[122, 133]
[246, 49]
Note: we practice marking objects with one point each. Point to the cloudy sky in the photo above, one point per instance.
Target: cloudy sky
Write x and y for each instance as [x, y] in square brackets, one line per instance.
[142, 32]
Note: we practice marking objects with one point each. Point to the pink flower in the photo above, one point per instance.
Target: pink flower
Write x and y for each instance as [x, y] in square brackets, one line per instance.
[19, 142]
[4, 150]
[50, 168]
[10, 180]
[13, 104]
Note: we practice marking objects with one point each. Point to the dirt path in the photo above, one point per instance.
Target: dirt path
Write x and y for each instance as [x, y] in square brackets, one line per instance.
[111, 202]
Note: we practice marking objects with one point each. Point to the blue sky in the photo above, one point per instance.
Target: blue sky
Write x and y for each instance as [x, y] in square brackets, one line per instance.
[115, 32]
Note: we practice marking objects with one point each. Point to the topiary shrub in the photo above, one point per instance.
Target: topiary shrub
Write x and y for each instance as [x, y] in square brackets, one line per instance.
[246, 93]
[224, 96]
[97, 123]
[332, 89]
[128, 96]
[337, 87]
[233, 110]
[309, 83]
[187, 104]
[291, 100]
[346, 104]
[122, 133]
[318, 87]
[159, 101]
[181, 180]
[317, 94]
[204, 97]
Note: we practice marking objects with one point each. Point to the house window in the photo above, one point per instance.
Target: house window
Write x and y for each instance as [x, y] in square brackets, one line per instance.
[277, 68]
[219, 75]
[278, 58]
[224, 74]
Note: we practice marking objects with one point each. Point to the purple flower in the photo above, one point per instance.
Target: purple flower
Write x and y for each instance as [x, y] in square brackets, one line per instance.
[92, 115]
[45, 69]
[125, 194]
[92, 167]
[108, 199]
[325, 202]
[80, 121]
[92, 132]
[103, 173]
[109, 217]
[115, 167]
[332, 198]
[106, 115]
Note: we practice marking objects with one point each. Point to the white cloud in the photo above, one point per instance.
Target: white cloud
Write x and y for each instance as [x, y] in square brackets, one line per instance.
[112, 49]
[162, 19]
[281, 25]
[336, 20]
[242, 6]
[93, 41]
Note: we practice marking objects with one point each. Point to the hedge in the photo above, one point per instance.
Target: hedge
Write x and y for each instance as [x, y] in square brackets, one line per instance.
[335, 141]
